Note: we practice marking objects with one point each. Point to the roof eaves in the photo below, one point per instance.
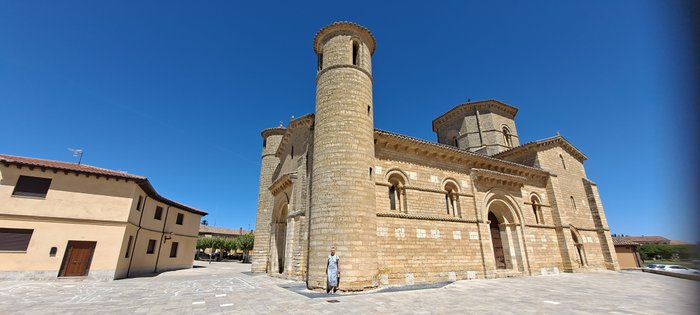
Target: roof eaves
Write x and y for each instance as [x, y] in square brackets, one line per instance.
[465, 152]
[145, 184]
[524, 147]
[438, 121]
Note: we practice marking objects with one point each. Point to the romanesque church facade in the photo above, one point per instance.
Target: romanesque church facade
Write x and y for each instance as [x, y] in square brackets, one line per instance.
[400, 210]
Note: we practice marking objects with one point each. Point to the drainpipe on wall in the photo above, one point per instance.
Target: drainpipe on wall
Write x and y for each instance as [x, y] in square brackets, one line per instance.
[136, 238]
[162, 238]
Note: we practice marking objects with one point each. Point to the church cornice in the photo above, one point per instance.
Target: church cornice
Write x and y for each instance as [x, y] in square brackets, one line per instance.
[425, 217]
[273, 131]
[344, 28]
[453, 155]
[497, 178]
[282, 183]
[539, 145]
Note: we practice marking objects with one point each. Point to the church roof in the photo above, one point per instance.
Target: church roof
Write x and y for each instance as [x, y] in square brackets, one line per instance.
[476, 156]
[544, 143]
[463, 108]
[273, 131]
[344, 24]
[97, 171]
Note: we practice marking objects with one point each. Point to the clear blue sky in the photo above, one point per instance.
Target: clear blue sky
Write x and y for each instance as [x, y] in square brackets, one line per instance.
[179, 91]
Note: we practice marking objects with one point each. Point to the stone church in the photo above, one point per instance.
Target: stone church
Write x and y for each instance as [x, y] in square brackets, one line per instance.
[400, 210]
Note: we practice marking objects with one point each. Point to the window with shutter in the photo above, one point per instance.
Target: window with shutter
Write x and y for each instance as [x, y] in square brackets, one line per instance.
[29, 186]
[16, 240]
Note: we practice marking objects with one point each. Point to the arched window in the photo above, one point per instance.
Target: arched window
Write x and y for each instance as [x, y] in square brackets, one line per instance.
[320, 61]
[454, 142]
[537, 209]
[452, 200]
[573, 202]
[507, 137]
[397, 193]
[355, 53]
[562, 161]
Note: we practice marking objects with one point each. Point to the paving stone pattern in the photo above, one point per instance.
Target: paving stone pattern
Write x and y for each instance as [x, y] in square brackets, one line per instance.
[228, 288]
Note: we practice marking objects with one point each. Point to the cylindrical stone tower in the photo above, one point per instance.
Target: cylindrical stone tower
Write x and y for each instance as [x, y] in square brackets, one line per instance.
[342, 210]
[271, 141]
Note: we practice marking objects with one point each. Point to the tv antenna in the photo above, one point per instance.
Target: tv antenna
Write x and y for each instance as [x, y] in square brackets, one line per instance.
[77, 153]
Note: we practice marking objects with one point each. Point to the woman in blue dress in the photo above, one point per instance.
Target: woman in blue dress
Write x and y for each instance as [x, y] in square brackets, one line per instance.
[332, 272]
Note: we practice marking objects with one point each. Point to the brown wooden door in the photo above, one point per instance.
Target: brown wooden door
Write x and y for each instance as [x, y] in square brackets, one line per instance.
[76, 261]
[497, 243]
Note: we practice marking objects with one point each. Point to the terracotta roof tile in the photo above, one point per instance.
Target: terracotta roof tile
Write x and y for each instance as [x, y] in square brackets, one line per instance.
[93, 170]
[645, 239]
[620, 241]
[208, 229]
[82, 168]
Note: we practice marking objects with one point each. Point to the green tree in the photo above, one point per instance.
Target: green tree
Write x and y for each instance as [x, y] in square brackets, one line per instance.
[229, 245]
[203, 243]
[245, 243]
[666, 251]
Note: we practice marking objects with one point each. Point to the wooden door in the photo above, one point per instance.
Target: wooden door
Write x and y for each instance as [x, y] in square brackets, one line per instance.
[497, 243]
[76, 261]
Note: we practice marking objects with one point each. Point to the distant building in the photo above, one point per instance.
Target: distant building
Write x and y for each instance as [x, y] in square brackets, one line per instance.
[641, 240]
[215, 231]
[626, 251]
[60, 219]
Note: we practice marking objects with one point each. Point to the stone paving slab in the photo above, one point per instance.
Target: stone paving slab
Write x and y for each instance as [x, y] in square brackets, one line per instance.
[228, 288]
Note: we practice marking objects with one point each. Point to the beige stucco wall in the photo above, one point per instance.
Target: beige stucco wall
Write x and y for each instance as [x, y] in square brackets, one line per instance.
[91, 209]
[626, 256]
[69, 196]
[35, 263]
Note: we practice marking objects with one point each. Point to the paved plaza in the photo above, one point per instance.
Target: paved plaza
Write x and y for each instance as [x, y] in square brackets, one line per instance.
[229, 288]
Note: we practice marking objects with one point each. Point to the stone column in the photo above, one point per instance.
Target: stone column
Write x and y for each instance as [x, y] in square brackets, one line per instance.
[261, 251]
[343, 205]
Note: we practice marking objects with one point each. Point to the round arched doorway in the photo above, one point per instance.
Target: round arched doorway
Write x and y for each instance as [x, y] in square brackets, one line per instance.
[279, 238]
[506, 233]
[497, 242]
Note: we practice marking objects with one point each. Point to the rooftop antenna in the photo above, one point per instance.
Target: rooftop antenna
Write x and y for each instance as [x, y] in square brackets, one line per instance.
[77, 153]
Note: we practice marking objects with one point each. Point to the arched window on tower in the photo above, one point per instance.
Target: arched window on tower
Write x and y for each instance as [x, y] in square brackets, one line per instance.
[397, 193]
[355, 53]
[452, 200]
[454, 142]
[320, 61]
[537, 209]
[507, 138]
[573, 202]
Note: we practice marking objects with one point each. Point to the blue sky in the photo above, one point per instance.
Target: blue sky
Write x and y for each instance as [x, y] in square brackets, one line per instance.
[179, 91]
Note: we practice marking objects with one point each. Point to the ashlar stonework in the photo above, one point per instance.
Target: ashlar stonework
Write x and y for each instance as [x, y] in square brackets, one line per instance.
[401, 210]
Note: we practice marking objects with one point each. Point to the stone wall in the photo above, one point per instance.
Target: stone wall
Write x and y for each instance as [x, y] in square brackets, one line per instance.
[418, 251]
[268, 165]
[342, 210]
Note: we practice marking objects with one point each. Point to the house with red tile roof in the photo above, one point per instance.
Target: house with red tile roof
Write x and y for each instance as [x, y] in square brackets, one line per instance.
[61, 219]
